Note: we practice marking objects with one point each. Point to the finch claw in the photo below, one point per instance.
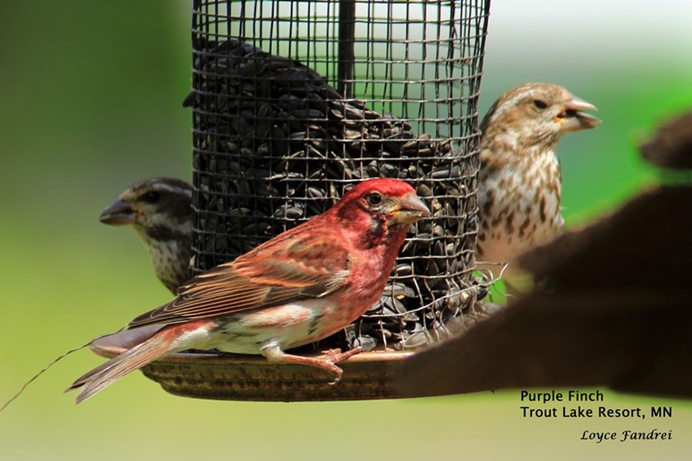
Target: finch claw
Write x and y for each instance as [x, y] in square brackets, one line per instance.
[336, 356]
[337, 378]
[333, 356]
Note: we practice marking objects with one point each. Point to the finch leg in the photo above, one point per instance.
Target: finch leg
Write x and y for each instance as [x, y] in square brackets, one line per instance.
[273, 353]
[336, 356]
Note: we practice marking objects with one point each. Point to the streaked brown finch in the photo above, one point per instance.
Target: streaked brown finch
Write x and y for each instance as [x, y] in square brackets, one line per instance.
[160, 211]
[519, 187]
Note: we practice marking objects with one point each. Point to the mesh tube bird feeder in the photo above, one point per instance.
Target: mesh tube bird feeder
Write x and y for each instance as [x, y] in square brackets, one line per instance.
[294, 102]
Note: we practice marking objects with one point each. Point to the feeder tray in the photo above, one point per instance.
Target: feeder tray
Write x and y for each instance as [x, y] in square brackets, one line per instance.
[220, 376]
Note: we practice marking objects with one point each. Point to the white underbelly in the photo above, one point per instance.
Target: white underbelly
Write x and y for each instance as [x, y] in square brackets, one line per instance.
[290, 325]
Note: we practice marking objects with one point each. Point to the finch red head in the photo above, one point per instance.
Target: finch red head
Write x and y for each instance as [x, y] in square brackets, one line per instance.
[160, 211]
[519, 186]
[299, 287]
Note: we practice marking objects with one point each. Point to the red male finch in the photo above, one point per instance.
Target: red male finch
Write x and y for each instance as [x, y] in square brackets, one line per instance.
[299, 287]
[519, 187]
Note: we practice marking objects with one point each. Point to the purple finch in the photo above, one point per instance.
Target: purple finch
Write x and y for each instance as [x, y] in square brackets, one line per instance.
[519, 186]
[299, 287]
[160, 211]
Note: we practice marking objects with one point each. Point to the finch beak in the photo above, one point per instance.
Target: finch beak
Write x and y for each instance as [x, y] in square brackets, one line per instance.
[409, 209]
[118, 213]
[573, 119]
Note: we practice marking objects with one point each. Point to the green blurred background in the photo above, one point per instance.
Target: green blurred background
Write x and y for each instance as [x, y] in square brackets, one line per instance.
[91, 102]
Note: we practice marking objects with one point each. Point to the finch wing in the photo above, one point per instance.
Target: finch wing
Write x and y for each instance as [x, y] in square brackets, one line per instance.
[287, 268]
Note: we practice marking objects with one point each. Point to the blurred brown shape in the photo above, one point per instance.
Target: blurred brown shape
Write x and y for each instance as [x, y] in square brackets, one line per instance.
[672, 146]
[645, 245]
[617, 312]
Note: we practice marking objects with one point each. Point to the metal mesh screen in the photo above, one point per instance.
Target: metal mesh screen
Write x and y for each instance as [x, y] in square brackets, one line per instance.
[295, 101]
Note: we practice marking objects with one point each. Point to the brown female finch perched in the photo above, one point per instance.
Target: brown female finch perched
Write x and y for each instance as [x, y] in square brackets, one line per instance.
[299, 287]
[160, 210]
[519, 184]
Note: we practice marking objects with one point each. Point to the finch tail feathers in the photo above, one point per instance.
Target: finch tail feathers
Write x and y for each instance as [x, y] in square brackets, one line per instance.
[168, 340]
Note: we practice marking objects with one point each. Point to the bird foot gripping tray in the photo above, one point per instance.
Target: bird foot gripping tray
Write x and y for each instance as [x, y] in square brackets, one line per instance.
[293, 103]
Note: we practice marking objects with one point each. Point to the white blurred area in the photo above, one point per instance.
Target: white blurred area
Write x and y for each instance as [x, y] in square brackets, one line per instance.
[574, 43]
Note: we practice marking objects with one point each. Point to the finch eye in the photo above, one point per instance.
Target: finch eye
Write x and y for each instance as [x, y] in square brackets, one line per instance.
[152, 197]
[539, 104]
[374, 198]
